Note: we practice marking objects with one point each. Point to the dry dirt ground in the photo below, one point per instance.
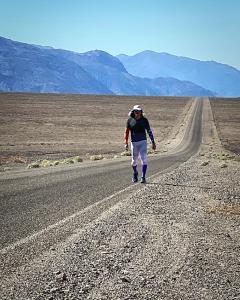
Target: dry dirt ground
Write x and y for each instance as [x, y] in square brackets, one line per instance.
[51, 126]
[226, 114]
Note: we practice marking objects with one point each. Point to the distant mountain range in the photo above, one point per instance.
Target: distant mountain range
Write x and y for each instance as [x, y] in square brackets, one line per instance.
[27, 68]
[220, 78]
[33, 68]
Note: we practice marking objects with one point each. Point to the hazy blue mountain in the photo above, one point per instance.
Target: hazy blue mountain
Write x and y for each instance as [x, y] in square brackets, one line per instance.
[110, 71]
[27, 68]
[219, 78]
[30, 68]
[173, 86]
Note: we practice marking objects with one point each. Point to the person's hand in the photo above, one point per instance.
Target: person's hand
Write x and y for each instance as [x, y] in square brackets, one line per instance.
[153, 146]
[126, 147]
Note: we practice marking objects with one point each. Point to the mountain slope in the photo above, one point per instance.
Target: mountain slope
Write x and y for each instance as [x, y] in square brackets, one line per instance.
[173, 86]
[111, 72]
[220, 78]
[29, 68]
[26, 68]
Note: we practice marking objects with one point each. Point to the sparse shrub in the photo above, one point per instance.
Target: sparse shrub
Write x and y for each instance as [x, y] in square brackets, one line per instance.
[77, 159]
[126, 153]
[96, 157]
[33, 165]
[45, 163]
[67, 161]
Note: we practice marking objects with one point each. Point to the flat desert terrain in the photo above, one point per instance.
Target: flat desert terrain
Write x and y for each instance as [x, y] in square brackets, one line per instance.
[226, 113]
[53, 126]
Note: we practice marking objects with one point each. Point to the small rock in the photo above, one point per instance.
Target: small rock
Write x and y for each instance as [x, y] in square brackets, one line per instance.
[104, 252]
[54, 290]
[125, 279]
[57, 272]
[61, 277]
[224, 166]
[86, 289]
[204, 163]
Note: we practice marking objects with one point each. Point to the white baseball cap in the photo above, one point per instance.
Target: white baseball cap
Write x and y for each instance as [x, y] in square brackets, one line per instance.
[136, 107]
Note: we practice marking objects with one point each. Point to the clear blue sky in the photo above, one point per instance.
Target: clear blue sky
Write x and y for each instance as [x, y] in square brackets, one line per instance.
[201, 29]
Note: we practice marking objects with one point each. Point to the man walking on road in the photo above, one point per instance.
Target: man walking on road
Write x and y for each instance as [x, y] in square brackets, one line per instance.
[138, 125]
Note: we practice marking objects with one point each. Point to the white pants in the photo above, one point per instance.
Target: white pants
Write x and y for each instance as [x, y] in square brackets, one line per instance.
[139, 149]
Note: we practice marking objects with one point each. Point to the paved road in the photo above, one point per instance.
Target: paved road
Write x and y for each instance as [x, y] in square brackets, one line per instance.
[37, 199]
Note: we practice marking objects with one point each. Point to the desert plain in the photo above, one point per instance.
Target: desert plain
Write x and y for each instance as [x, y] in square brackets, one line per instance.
[226, 113]
[34, 127]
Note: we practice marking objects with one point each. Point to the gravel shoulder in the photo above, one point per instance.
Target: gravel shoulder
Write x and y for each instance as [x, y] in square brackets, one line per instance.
[175, 238]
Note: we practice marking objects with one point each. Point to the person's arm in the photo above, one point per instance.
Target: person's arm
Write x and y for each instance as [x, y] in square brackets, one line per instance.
[150, 134]
[126, 135]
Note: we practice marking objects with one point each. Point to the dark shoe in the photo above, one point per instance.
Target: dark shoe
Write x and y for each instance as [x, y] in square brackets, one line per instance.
[135, 177]
[143, 180]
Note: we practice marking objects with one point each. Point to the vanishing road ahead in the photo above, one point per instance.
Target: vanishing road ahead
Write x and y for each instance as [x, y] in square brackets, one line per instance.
[35, 203]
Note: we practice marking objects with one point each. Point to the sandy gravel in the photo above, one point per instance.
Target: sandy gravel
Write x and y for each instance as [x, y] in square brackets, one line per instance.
[226, 112]
[175, 238]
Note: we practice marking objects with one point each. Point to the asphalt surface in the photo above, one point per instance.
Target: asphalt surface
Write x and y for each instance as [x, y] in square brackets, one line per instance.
[35, 200]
